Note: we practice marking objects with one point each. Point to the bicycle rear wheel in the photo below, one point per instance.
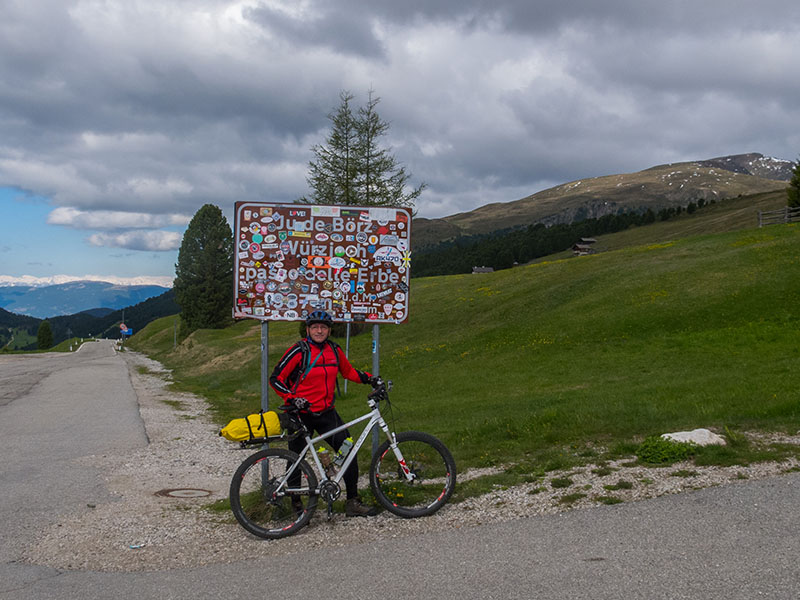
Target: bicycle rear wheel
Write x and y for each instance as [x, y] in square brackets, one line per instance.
[434, 471]
[262, 505]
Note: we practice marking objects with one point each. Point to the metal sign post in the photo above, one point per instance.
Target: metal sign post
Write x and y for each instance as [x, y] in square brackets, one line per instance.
[265, 388]
[265, 366]
[376, 368]
[347, 350]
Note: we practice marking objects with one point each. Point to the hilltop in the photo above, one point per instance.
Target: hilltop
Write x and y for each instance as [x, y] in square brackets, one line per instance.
[656, 188]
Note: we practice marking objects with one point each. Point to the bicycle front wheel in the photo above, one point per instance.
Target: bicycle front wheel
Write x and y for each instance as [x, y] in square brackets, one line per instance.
[433, 473]
[265, 502]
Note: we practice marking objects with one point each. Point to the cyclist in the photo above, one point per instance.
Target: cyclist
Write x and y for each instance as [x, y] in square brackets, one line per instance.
[306, 377]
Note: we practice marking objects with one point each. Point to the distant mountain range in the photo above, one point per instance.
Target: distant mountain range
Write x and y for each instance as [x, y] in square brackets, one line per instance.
[74, 297]
[18, 332]
[656, 188]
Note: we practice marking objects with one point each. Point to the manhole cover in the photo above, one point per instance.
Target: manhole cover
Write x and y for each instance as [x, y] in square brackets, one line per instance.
[183, 493]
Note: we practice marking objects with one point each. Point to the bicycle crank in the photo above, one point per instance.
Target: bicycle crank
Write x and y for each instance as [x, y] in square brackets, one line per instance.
[329, 491]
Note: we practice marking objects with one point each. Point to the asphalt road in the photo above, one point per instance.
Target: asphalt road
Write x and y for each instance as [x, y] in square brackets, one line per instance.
[730, 542]
[54, 409]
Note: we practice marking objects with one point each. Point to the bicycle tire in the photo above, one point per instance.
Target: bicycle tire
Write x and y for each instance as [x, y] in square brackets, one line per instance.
[431, 463]
[262, 510]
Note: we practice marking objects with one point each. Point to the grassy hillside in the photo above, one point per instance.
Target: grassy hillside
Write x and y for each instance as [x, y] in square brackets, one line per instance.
[504, 249]
[729, 215]
[555, 359]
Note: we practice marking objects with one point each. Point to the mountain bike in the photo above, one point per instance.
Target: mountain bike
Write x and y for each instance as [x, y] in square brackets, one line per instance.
[274, 492]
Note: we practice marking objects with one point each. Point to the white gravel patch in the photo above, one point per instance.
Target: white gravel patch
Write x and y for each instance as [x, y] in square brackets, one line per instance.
[142, 531]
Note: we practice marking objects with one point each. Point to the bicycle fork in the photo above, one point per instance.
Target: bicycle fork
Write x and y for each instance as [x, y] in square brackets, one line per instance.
[410, 477]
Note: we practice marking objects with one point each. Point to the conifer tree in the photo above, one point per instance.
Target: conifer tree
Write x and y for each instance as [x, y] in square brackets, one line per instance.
[352, 168]
[204, 271]
[332, 175]
[382, 181]
[44, 337]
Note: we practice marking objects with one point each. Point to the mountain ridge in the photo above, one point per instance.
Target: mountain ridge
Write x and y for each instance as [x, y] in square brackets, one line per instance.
[656, 188]
[18, 332]
[73, 297]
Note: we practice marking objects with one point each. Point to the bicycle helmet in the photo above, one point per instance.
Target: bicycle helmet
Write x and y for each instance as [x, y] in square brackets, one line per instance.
[319, 316]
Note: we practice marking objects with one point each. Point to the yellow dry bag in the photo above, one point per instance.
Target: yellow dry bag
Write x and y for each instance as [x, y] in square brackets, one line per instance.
[258, 425]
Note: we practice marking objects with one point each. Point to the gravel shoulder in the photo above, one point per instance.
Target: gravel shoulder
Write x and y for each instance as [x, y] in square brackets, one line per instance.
[143, 531]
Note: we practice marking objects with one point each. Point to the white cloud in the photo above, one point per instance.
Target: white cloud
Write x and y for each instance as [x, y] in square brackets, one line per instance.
[156, 241]
[105, 219]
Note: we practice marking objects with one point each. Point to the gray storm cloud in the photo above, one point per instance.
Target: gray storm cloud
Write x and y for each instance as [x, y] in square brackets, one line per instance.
[151, 109]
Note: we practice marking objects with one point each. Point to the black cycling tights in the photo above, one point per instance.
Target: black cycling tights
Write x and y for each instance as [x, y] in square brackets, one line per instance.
[322, 424]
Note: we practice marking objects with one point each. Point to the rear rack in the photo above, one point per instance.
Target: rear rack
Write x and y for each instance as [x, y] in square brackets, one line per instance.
[262, 440]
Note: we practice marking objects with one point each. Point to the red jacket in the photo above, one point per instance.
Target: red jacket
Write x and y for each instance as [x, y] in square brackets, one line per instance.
[319, 383]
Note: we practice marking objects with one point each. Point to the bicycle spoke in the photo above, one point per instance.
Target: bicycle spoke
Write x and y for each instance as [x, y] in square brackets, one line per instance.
[433, 475]
[265, 502]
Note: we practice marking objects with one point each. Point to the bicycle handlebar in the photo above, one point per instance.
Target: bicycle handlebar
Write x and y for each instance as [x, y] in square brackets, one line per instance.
[377, 382]
[379, 389]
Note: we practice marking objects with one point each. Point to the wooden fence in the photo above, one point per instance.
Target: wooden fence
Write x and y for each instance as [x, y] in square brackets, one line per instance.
[784, 215]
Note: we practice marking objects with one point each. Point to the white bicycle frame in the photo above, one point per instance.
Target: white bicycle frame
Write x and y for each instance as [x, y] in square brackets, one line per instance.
[375, 418]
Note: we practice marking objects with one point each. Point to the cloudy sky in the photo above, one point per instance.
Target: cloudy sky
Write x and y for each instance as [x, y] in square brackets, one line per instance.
[120, 118]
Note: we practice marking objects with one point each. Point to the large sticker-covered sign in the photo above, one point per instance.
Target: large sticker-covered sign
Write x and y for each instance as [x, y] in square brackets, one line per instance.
[291, 259]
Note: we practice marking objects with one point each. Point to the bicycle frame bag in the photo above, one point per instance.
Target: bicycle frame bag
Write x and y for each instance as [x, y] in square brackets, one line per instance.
[259, 425]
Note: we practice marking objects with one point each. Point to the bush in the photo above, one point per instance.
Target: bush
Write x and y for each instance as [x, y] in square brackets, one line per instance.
[657, 450]
[560, 482]
[793, 191]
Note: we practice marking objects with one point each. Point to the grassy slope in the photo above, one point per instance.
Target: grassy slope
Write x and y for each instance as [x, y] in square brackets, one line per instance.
[673, 334]
[70, 345]
[729, 215]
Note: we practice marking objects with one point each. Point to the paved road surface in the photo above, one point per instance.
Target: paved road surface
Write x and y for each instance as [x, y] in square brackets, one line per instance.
[731, 542]
[54, 408]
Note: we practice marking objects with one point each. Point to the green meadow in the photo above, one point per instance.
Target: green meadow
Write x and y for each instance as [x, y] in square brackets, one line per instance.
[563, 361]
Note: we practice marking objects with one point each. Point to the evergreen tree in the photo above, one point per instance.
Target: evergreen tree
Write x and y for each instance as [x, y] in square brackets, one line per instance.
[352, 168]
[44, 337]
[204, 271]
[332, 175]
[793, 191]
[381, 180]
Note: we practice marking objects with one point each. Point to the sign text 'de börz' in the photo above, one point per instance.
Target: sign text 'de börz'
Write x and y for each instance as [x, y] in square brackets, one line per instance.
[292, 259]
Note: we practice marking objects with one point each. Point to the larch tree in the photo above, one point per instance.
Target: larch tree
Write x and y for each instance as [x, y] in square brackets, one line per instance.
[352, 167]
[333, 172]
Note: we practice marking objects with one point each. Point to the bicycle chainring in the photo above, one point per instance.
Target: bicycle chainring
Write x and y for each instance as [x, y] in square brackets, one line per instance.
[329, 491]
